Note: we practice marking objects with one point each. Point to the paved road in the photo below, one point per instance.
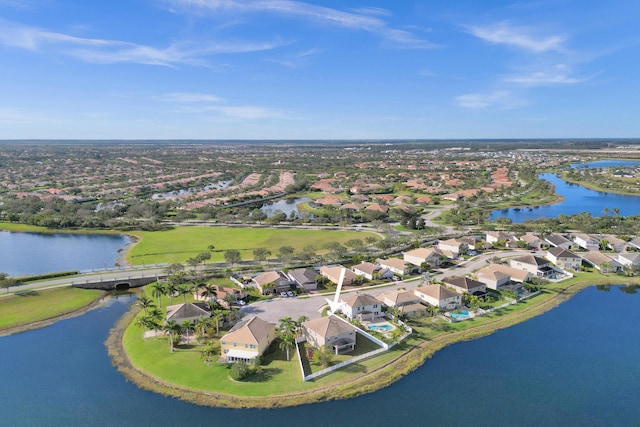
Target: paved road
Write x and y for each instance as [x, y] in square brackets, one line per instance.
[121, 274]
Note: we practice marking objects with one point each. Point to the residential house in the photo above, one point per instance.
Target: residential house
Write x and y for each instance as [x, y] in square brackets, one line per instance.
[564, 258]
[406, 301]
[331, 331]
[333, 274]
[614, 243]
[247, 340]
[533, 264]
[494, 237]
[635, 243]
[453, 246]
[190, 311]
[629, 259]
[559, 241]
[420, 255]
[467, 285]
[471, 242]
[438, 296]
[304, 278]
[493, 278]
[272, 282]
[396, 265]
[361, 306]
[372, 271]
[602, 262]
[221, 293]
[586, 241]
[534, 242]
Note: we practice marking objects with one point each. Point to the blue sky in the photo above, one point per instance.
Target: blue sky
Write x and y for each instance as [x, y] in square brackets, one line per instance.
[340, 69]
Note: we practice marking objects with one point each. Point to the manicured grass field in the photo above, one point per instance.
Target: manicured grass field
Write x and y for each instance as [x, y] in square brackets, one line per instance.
[181, 243]
[33, 306]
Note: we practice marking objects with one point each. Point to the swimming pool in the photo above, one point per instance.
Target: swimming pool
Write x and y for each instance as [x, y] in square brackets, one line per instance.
[459, 314]
[383, 328]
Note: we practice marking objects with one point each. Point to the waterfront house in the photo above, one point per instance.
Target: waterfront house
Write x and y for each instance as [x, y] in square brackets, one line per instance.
[438, 296]
[493, 277]
[361, 307]
[421, 255]
[331, 331]
[602, 262]
[533, 264]
[407, 301]
[564, 258]
[629, 259]
[186, 312]
[304, 278]
[614, 243]
[462, 284]
[247, 340]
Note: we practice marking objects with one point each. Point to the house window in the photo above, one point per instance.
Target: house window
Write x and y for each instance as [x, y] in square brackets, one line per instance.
[235, 344]
[222, 342]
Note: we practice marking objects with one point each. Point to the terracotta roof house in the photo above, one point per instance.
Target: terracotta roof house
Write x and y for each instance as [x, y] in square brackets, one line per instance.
[429, 255]
[438, 296]
[331, 331]
[351, 207]
[247, 340]
[272, 282]
[463, 284]
[181, 312]
[371, 271]
[376, 207]
[221, 293]
[333, 274]
[362, 307]
[396, 265]
[304, 278]
[533, 264]
[564, 258]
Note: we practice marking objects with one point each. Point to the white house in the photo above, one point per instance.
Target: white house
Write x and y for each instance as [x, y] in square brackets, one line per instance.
[429, 255]
[629, 259]
[362, 307]
[463, 285]
[372, 271]
[558, 240]
[602, 261]
[453, 246]
[396, 265]
[533, 264]
[586, 241]
[493, 277]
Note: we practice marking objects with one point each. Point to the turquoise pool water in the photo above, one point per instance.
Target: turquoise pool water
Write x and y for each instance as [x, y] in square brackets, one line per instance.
[384, 328]
[460, 314]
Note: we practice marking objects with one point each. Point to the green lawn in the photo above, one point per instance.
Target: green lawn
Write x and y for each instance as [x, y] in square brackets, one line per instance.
[181, 243]
[33, 306]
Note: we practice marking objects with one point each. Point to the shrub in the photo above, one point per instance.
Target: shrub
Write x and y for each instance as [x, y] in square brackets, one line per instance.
[241, 370]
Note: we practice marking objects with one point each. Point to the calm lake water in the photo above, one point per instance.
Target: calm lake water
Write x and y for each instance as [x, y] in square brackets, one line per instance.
[286, 206]
[576, 199]
[575, 365]
[34, 253]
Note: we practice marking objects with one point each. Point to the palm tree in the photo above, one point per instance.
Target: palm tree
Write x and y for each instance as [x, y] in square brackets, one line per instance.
[208, 353]
[171, 289]
[286, 332]
[208, 291]
[201, 326]
[172, 329]
[145, 322]
[184, 290]
[395, 312]
[145, 303]
[216, 316]
[158, 290]
[187, 327]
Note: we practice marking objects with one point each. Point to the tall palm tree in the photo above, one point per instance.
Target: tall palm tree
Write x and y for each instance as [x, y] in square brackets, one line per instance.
[201, 325]
[187, 327]
[209, 291]
[216, 317]
[145, 303]
[145, 322]
[172, 329]
[184, 290]
[158, 290]
[171, 289]
[287, 340]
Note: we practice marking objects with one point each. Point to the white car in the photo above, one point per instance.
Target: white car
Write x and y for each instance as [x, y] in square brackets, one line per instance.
[290, 294]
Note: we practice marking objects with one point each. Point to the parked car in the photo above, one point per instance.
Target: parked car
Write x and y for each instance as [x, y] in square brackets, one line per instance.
[283, 294]
[290, 294]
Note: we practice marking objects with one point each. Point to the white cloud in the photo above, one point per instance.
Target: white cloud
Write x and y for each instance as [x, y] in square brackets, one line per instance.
[499, 99]
[187, 97]
[367, 19]
[557, 75]
[114, 51]
[504, 33]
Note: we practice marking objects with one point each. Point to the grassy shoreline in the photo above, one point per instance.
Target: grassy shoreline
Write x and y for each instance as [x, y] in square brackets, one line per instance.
[390, 367]
[24, 311]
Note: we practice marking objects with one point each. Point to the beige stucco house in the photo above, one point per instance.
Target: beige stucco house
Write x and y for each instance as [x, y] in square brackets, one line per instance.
[247, 340]
[438, 296]
[331, 331]
[429, 255]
